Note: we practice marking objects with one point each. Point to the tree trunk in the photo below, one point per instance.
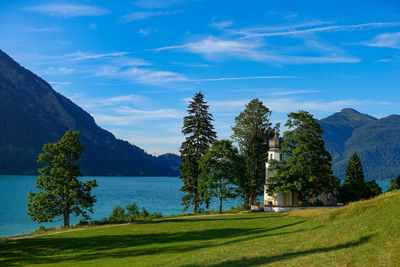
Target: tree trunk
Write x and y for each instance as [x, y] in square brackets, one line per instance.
[220, 204]
[66, 218]
[195, 208]
[251, 197]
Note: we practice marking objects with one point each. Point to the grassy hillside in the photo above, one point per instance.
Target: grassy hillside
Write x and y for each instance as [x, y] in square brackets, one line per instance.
[366, 233]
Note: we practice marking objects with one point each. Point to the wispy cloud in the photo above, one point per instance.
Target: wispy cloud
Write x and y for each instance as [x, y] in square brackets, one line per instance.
[285, 105]
[56, 71]
[144, 15]
[93, 103]
[68, 10]
[222, 24]
[214, 48]
[294, 92]
[158, 3]
[390, 40]
[83, 56]
[130, 116]
[140, 75]
[243, 78]
[369, 25]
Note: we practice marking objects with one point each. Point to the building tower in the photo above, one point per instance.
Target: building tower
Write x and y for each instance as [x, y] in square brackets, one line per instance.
[273, 153]
[272, 198]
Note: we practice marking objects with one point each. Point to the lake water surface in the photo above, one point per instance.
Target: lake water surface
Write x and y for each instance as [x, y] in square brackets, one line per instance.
[156, 194]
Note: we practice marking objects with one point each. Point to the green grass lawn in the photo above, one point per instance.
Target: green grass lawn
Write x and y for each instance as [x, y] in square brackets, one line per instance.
[366, 233]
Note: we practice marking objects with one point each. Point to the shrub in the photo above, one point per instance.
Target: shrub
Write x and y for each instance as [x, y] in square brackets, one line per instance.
[118, 215]
[82, 223]
[132, 210]
[145, 213]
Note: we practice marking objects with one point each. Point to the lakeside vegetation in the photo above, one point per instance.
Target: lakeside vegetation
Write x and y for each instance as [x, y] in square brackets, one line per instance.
[364, 233]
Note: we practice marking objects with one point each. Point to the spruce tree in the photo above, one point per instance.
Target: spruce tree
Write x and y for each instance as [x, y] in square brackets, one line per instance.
[252, 133]
[354, 170]
[199, 134]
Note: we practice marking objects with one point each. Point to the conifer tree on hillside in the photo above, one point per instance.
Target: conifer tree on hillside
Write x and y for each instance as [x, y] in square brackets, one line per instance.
[199, 133]
[252, 132]
[307, 166]
[354, 170]
[354, 187]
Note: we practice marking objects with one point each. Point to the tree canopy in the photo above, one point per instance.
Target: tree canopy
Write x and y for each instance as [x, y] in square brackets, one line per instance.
[252, 131]
[199, 134]
[221, 167]
[394, 184]
[61, 193]
[354, 170]
[306, 169]
[354, 187]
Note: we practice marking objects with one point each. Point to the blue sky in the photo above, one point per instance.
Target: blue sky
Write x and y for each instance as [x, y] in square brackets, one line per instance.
[133, 65]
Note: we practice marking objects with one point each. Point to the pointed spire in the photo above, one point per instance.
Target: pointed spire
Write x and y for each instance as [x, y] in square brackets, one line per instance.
[274, 144]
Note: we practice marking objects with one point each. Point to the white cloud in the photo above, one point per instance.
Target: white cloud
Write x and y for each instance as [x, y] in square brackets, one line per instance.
[126, 116]
[294, 92]
[56, 71]
[285, 105]
[93, 103]
[146, 31]
[214, 48]
[391, 40]
[222, 24]
[140, 75]
[158, 3]
[243, 78]
[322, 29]
[68, 10]
[83, 56]
[144, 15]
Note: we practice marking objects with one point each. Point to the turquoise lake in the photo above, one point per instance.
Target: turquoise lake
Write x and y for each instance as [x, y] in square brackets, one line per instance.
[156, 194]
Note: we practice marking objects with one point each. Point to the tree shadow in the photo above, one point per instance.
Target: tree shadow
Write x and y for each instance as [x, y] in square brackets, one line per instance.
[211, 218]
[52, 249]
[256, 261]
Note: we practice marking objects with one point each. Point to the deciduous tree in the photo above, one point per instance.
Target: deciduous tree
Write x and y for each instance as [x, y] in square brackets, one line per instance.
[61, 193]
[306, 169]
[220, 167]
[394, 184]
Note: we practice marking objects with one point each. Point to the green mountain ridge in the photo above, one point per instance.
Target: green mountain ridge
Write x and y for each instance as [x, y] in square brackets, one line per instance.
[375, 141]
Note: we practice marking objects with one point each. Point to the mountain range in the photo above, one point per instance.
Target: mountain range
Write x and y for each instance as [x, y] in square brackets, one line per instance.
[32, 114]
[376, 141]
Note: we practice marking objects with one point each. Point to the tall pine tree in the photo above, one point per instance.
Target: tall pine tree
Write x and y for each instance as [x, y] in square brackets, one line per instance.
[354, 170]
[199, 133]
[252, 132]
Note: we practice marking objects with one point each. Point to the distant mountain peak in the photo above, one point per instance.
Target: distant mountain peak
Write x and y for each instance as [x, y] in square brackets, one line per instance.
[349, 110]
[32, 114]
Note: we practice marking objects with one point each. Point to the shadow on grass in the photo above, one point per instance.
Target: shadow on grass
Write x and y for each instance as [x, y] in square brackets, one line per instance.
[47, 250]
[256, 261]
[213, 218]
